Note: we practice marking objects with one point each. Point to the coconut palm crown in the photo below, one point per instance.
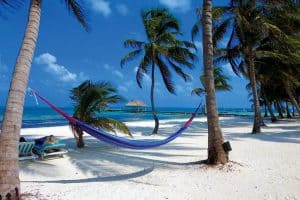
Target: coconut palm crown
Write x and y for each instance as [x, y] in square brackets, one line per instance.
[89, 100]
[162, 51]
[248, 25]
[221, 82]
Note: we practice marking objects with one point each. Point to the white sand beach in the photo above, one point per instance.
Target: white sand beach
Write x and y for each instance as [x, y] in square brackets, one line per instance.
[264, 166]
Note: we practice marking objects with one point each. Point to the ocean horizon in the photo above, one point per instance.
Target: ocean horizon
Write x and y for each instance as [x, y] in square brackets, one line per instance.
[34, 117]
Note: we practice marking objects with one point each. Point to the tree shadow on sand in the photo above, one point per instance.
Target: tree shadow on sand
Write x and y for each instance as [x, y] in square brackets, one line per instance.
[272, 132]
[104, 162]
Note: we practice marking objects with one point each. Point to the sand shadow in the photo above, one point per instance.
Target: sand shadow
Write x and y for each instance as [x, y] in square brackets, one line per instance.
[142, 172]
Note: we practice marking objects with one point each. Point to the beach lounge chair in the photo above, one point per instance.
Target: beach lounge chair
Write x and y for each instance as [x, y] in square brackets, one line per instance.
[50, 149]
[25, 151]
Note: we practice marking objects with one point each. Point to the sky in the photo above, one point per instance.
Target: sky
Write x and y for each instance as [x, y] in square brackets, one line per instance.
[66, 54]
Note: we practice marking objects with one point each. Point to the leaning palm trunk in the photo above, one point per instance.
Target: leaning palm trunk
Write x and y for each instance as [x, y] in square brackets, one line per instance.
[291, 96]
[257, 114]
[279, 109]
[288, 114]
[155, 130]
[266, 111]
[293, 110]
[273, 117]
[216, 153]
[9, 138]
[78, 135]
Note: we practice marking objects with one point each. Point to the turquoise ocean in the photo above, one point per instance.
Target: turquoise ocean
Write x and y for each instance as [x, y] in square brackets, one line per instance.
[46, 117]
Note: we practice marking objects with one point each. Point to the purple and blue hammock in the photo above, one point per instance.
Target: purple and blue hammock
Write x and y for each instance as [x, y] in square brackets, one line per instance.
[116, 140]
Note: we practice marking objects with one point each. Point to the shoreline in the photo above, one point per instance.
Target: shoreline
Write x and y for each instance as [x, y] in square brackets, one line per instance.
[40, 123]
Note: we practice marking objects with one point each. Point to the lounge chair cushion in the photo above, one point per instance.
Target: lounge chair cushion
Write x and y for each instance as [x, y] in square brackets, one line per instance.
[25, 151]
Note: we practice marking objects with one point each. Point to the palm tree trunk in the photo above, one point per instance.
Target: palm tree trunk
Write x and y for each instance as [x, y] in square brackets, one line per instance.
[279, 109]
[288, 114]
[216, 152]
[291, 96]
[266, 110]
[12, 121]
[257, 114]
[155, 130]
[273, 117]
[78, 134]
[293, 110]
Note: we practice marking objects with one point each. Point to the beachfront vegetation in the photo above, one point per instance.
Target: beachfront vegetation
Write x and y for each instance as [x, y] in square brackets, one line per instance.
[250, 24]
[221, 82]
[279, 77]
[89, 99]
[9, 173]
[162, 51]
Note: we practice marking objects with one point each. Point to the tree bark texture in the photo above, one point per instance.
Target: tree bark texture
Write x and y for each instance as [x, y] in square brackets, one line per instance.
[12, 121]
[216, 153]
[288, 114]
[251, 71]
[273, 117]
[279, 109]
[155, 130]
[291, 96]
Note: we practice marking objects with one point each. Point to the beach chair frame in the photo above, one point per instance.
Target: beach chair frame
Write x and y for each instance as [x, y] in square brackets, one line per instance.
[56, 149]
[25, 151]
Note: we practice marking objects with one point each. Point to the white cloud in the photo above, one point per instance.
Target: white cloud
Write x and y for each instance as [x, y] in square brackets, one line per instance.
[122, 9]
[82, 76]
[179, 89]
[118, 74]
[198, 45]
[45, 58]
[228, 69]
[146, 77]
[181, 5]
[100, 6]
[107, 67]
[122, 89]
[62, 72]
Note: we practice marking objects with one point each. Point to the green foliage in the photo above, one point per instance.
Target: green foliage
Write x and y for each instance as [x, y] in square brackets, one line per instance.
[162, 50]
[90, 99]
[250, 24]
[221, 82]
[77, 8]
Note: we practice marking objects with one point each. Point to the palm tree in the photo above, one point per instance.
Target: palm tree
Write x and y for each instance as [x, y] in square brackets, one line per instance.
[89, 100]
[249, 24]
[221, 82]
[216, 152]
[9, 172]
[162, 51]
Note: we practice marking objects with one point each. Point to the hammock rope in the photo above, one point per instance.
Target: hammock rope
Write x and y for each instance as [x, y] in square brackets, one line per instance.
[102, 135]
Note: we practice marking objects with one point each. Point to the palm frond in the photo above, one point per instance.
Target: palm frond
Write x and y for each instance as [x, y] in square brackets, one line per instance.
[133, 43]
[112, 125]
[198, 91]
[142, 70]
[220, 30]
[77, 8]
[130, 56]
[195, 31]
[179, 71]
[166, 75]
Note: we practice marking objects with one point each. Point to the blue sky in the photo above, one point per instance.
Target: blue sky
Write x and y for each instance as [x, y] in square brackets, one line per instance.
[66, 54]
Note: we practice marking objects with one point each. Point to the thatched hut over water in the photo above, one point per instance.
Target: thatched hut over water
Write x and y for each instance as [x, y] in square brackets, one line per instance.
[136, 106]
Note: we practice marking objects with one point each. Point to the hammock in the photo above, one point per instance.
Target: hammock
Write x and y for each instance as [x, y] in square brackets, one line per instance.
[100, 134]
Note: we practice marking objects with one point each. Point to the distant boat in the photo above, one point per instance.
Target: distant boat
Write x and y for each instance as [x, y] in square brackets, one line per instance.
[136, 106]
